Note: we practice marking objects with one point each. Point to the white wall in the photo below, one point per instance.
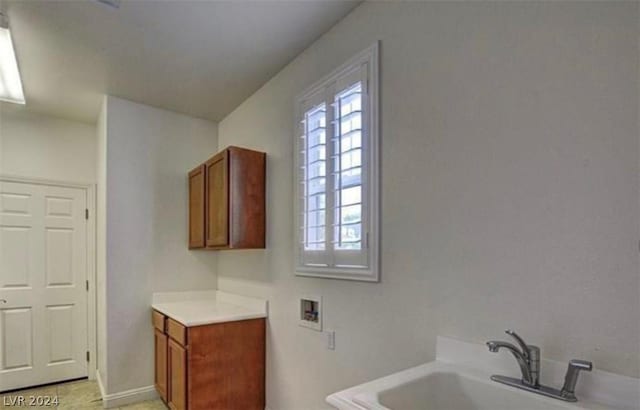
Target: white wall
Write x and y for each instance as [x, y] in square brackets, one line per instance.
[35, 145]
[509, 191]
[38, 146]
[149, 152]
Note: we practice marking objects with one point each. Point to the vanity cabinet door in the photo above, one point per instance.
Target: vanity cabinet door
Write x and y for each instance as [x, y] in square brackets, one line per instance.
[160, 341]
[217, 194]
[177, 376]
[197, 208]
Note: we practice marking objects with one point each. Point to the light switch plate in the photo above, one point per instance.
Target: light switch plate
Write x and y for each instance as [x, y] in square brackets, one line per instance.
[331, 339]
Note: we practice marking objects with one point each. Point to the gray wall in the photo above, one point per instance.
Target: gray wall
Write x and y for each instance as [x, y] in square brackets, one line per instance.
[509, 191]
[149, 152]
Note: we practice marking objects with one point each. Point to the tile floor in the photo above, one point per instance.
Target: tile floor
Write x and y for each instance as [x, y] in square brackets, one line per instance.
[78, 395]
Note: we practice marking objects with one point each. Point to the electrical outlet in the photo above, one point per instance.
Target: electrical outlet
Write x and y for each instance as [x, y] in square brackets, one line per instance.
[331, 340]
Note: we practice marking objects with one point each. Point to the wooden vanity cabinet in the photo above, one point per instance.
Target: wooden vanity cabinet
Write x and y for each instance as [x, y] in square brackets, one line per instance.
[211, 367]
[227, 201]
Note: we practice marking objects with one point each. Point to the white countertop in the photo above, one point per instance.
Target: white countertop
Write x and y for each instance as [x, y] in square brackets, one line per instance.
[207, 307]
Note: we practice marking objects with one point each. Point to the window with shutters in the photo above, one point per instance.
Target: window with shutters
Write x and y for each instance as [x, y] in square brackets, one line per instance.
[337, 169]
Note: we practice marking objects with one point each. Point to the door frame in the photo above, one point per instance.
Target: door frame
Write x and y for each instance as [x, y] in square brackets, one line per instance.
[90, 190]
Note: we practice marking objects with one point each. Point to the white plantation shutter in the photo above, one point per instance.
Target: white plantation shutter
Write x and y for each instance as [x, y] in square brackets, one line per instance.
[347, 176]
[312, 223]
[337, 168]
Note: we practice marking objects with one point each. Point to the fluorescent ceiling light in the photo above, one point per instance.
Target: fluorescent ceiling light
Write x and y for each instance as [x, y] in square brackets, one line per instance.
[10, 83]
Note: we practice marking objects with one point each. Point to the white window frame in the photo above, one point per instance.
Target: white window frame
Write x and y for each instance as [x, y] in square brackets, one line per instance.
[366, 63]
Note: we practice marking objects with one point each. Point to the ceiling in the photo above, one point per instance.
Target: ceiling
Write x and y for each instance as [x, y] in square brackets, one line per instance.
[201, 58]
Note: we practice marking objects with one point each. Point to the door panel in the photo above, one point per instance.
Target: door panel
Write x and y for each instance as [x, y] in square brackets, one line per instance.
[197, 208]
[177, 376]
[161, 363]
[60, 319]
[12, 203]
[14, 256]
[59, 206]
[59, 257]
[217, 200]
[43, 267]
[16, 328]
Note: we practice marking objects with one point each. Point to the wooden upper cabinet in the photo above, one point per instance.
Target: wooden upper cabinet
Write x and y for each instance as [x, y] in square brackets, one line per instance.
[233, 201]
[197, 207]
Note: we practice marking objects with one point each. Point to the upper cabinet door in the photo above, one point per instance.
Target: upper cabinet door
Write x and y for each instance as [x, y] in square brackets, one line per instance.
[197, 208]
[217, 194]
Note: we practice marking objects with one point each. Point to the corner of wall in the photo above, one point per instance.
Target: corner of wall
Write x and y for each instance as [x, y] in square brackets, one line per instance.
[144, 155]
[101, 234]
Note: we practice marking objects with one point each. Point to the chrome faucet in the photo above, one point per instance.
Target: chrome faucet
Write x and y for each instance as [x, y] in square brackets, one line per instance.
[528, 357]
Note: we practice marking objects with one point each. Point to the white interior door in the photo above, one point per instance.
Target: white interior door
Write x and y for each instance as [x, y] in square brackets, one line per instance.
[43, 269]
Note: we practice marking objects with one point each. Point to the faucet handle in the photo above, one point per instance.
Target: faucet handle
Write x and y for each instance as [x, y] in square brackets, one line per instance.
[571, 378]
[525, 348]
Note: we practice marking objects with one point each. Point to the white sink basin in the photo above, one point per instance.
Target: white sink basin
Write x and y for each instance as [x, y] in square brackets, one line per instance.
[459, 379]
[442, 386]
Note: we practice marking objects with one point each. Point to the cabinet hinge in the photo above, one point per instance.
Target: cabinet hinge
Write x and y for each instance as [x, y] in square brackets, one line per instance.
[86, 213]
[87, 355]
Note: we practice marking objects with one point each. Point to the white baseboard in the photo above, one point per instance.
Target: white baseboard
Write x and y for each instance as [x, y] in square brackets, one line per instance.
[126, 397]
[129, 397]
